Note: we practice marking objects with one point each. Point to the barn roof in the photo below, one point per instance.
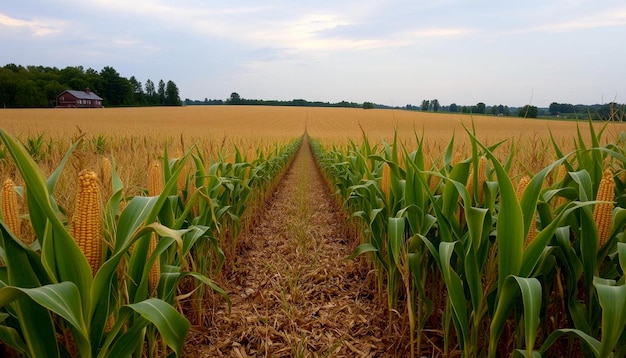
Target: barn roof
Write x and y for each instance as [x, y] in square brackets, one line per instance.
[83, 94]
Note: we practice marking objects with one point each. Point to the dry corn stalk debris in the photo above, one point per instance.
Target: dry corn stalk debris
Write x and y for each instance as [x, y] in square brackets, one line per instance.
[293, 292]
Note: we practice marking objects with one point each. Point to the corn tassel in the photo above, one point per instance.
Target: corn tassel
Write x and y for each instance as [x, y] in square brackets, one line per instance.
[86, 227]
[10, 208]
[603, 212]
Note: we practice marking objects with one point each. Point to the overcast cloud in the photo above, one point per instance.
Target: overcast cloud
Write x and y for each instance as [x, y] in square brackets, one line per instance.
[390, 52]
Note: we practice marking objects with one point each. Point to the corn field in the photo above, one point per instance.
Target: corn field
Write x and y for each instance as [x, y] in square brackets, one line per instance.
[114, 278]
[482, 244]
[486, 263]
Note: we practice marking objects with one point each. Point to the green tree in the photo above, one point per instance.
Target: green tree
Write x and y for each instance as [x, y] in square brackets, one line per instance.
[51, 90]
[425, 105]
[234, 98]
[506, 111]
[480, 108]
[171, 94]
[368, 105]
[8, 87]
[138, 94]
[494, 110]
[28, 94]
[435, 105]
[117, 90]
[528, 111]
[151, 96]
[454, 107]
[161, 92]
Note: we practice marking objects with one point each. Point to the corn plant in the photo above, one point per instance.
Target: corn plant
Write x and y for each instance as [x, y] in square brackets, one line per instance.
[58, 289]
[507, 257]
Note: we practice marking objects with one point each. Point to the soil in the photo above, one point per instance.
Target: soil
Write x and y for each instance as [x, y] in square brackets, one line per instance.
[293, 291]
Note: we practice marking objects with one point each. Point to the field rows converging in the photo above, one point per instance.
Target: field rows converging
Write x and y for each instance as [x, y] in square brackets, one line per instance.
[258, 231]
[293, 292]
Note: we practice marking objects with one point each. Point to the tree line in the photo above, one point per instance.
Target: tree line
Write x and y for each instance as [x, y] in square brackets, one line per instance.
[478, 108]
[609, 111]
[39, 86]
[236, 99]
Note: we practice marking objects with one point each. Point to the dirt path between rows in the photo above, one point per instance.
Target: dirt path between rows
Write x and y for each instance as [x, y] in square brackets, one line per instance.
[293, 293]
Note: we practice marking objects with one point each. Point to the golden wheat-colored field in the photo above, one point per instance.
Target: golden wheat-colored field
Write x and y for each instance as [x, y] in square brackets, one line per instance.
[135, 136]
[277, 123]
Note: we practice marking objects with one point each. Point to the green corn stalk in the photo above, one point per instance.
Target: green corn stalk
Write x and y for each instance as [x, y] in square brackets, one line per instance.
[82, 303]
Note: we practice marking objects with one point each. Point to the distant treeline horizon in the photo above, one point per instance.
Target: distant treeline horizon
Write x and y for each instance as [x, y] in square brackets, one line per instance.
[39, 86]
[608, 111]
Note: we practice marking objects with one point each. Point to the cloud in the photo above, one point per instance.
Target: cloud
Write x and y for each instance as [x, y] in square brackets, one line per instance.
[582, 21]
[37, 27]
[612, 19]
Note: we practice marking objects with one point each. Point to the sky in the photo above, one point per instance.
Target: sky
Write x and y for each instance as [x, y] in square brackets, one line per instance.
[387, 52]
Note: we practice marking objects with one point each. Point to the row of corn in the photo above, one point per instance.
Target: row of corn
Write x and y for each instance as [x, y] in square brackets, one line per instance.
[477, 261]
[121, 276]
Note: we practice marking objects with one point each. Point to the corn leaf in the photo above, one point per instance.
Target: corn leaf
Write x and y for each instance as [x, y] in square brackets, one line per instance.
[592, 343]
[396, 237]
[73, 267]
[612, 300]
[361, 249]
[510, 226]
[62, 299]
[39, 338]
[456, 293]
[11, 337]
[621, 249]
[530, 288]
[172, 326]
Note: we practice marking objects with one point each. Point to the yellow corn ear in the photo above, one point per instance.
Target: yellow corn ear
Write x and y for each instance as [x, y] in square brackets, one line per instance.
[155, 271]
[106, 174]
[86, 225]
[532, 231]
[155, 179]
[10, 207]
[155, 187]
[603, 212]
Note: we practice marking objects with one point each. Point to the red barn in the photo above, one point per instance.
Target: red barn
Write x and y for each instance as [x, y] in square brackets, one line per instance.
[79, 99]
